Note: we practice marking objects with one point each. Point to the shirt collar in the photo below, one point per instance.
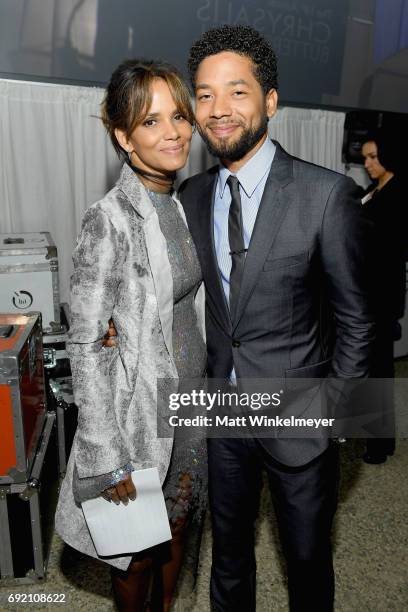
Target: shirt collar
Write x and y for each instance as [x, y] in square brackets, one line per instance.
[251, 174]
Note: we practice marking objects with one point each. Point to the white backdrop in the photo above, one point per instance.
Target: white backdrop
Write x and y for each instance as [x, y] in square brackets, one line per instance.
[311, 134]
[56, 160]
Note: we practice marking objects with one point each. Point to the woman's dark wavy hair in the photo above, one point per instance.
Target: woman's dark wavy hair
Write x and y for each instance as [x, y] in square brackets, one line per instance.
[240, 39]
[388, 149]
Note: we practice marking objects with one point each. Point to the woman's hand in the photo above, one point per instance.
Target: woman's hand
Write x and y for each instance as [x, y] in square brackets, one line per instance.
[123, 491]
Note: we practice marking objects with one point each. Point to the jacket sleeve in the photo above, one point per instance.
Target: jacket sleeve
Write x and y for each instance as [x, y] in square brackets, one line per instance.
[345, 242]
[98, 259]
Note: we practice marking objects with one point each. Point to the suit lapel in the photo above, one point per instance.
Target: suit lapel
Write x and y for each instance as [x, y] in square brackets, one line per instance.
[271, 212]
[206, 250]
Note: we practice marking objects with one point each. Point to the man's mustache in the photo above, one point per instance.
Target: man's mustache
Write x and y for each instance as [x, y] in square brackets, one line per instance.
[215, 123]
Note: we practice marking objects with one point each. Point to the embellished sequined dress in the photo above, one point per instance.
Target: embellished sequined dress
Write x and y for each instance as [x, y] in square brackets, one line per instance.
[189, 354]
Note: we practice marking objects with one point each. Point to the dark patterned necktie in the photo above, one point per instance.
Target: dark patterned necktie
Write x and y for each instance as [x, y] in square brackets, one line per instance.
[236, 242]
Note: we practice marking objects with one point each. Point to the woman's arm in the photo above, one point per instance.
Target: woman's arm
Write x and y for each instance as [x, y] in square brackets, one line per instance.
[98, 260]
[115, 486]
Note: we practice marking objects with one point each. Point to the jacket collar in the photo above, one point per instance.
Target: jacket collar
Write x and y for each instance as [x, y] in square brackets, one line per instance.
[135, 191]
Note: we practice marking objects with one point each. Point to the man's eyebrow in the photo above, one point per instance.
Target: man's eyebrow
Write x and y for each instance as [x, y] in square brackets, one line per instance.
[229, 83]
[238, 82]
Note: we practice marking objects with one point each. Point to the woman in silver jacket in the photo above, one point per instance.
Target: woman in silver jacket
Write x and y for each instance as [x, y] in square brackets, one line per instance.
[135, 263]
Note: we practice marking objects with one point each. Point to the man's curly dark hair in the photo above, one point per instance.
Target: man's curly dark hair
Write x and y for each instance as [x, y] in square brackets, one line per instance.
[240, 39]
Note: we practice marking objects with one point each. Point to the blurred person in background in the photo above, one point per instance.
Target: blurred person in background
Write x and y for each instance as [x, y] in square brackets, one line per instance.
[385, 204]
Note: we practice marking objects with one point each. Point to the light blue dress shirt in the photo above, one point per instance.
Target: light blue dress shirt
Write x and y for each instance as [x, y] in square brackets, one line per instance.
[252, 178]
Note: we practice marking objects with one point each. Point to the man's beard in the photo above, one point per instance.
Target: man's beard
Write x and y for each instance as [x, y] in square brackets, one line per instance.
[238, 149]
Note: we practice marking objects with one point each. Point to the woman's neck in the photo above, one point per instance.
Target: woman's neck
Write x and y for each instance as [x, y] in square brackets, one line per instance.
[383, 180]
[155, 185]
[161, 183]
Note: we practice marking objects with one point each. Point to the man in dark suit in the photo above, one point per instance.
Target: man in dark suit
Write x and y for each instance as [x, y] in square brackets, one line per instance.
[281, 245]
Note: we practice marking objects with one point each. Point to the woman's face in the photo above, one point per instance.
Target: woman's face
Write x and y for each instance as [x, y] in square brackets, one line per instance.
[371, 161]
[160, 144]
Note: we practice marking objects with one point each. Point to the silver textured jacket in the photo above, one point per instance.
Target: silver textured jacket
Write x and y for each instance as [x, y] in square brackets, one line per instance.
[121, 271]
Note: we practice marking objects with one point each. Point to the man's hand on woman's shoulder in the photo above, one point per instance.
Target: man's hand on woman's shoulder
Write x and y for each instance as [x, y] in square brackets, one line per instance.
[110, 336]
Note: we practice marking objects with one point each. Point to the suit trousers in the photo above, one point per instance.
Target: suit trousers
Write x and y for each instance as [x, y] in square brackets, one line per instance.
[305, 501]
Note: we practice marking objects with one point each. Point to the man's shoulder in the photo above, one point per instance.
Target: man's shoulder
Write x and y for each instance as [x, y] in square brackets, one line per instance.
[311, 172]
[312, 184]
[318, 180]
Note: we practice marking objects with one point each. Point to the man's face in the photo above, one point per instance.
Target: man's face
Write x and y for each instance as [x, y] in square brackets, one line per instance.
[232, 112]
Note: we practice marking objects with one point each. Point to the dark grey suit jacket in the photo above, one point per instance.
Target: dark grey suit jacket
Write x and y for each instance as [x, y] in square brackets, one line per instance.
[303, 308]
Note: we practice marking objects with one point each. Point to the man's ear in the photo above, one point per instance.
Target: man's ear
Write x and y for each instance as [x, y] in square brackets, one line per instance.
[122, 139]
[271, 102]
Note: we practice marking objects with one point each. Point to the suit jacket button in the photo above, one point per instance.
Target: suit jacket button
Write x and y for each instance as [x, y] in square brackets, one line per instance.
[236, 343]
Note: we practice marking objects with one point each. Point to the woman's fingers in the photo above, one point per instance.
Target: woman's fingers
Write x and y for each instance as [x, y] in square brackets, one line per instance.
[112, 495]
[130, 488]
[121, 492]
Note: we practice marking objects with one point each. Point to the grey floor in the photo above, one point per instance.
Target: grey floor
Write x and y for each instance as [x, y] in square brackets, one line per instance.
[370, 549]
